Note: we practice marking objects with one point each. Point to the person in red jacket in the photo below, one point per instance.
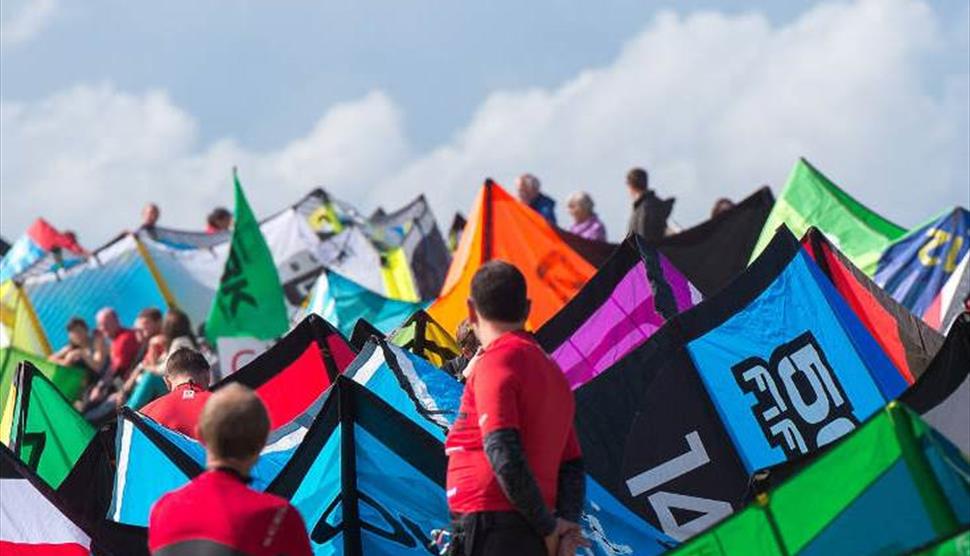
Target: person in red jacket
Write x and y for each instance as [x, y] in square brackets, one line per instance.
[217, 513]
[187, 377]
[515, 482]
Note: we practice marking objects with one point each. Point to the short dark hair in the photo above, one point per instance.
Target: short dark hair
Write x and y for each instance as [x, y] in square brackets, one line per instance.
[150, 313]
[638, 179]
[77, 322]
[499, 292]
[186, 361]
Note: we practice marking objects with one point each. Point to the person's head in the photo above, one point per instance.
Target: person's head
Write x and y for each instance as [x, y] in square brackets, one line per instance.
[234, 426]
[528, 187]
[149, 215]
[176, 324]
[77, 332]
[580, 206]
[637, 182]
[219, 219]
[467, 341]
[148, 323]
[108, 323]
[721, 205]
[498, 298]
[186, 365]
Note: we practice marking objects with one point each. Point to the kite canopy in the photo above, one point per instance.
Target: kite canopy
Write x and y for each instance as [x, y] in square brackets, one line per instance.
[366, 479]
[69, 381]
[892, 486]
[631, 296]
[500, 227]
[342, 302]
[291, 375]
[718, 380]
[942, 394]
[908, 341]
[424, 337]
[811, 199]
[41, 249]
[425, 394]
[915, 268]
[32, 521]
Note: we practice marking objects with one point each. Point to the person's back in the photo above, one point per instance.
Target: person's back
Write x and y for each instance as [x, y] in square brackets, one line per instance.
[537, 402]
[515, 472]
[650, 212]
[217, 513]
[187, 373]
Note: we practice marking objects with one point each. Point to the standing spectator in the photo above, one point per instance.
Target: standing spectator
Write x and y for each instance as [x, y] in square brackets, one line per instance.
[468, 344]
[586, 223]
[219, 220]
[187, 377]
[528, 186]
[149, 216]
[515, 477]
[217, 513]
[650, 213]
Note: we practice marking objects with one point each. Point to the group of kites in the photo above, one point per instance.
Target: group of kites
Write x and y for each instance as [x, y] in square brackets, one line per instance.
[788, 377]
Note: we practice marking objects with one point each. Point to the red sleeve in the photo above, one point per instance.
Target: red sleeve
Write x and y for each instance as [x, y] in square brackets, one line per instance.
[572, 450]
[293, 533]
[496, 394]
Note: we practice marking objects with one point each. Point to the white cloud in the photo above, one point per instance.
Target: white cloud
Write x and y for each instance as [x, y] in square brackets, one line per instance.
[713, 105]
[22, 21]
[90, 157]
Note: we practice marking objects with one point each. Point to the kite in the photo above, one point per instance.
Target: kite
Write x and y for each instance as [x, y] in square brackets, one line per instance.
[500, 227]
[631, 296]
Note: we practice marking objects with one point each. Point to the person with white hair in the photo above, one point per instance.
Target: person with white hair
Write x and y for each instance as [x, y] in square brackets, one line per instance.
[528, 188]
[585, 222]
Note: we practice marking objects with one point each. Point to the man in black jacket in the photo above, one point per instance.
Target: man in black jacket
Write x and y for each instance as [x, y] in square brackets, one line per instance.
[650, 212]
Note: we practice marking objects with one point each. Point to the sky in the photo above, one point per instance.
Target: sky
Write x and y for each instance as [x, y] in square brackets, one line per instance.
[105, 105]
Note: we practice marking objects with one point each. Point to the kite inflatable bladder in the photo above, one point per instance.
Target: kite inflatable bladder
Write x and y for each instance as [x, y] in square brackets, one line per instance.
[771, 369]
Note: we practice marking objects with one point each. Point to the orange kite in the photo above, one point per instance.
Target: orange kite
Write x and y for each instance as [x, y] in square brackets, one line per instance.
[501, 227]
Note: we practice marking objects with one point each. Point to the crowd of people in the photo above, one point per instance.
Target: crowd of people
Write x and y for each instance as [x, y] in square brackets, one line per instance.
[650, 214]
[515, 476]
[128, 366]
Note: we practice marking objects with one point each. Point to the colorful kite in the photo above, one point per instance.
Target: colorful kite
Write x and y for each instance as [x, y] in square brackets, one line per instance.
[500, 227]
[892, 486]
[811, 199]
[631, 296]
[915, 268]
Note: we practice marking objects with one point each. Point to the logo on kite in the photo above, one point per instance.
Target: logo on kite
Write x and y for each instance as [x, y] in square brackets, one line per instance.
[401, 531]
[557, 272]
[801, 405]
[234, 284]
